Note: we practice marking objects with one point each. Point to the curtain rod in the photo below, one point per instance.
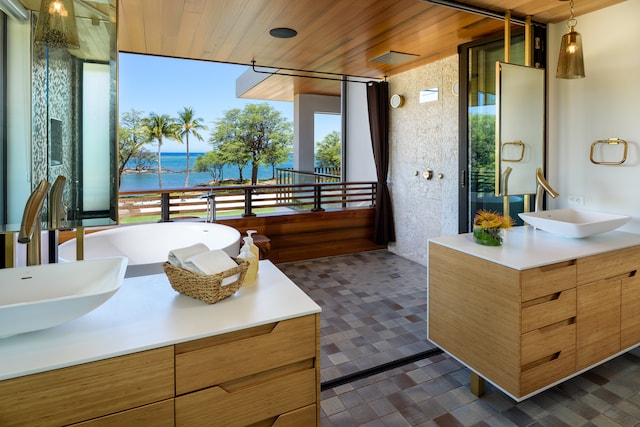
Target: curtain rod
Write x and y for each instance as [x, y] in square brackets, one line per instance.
[475, 9]
[338, 77]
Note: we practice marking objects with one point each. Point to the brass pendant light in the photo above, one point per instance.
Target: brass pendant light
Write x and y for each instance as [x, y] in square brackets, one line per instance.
[570, 61]
[56, 26]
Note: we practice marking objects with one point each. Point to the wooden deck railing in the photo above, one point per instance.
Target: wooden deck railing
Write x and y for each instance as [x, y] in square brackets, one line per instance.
[243, 200]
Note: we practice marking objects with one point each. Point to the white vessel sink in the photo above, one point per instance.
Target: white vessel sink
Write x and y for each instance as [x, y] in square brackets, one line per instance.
[43, 296]
[573, 222]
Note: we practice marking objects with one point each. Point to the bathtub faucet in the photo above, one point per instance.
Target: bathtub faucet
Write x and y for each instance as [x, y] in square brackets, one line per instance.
[542, 186]
[31, 226]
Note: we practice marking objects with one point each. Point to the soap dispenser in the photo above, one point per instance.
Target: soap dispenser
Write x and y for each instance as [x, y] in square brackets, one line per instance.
[254, 249]
[246, 255]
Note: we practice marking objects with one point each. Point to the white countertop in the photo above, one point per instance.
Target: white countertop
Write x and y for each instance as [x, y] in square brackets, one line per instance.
[526, 247]
[147, 313]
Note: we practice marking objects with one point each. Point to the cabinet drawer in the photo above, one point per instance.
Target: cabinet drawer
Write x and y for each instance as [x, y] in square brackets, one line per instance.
[542, 343]
[561, 365]
[603, 266]
[548, 355]
[157, 415]
[91, 390]
[248, 405]
[216, 360]
[541, 312]
[541, 281]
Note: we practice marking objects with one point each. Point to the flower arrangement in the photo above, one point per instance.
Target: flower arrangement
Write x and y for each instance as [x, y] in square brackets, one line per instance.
[487, 227]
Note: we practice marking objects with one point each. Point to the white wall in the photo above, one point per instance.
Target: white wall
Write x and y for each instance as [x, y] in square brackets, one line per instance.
[305, 106]
[605, 104]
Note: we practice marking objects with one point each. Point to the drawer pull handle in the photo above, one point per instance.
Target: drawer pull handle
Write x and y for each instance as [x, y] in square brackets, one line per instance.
[541, 361]
[560, 324]
[557, 266]
[541, 300]
[621, 276]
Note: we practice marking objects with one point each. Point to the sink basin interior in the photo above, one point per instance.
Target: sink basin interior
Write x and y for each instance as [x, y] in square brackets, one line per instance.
[573, 222]
[43, 296]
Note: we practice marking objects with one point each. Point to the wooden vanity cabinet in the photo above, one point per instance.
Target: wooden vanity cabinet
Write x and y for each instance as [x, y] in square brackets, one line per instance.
[527, 329]
[608, 305]
[516, 328]
[630, 311]
[267, 375]
[599, 321]
[93, 390]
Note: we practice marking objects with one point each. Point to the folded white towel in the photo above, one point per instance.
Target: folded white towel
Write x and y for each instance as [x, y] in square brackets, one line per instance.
[210, 262]
[178, 256]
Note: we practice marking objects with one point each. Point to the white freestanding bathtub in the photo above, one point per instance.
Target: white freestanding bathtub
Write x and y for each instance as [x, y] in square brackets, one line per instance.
[147, 245]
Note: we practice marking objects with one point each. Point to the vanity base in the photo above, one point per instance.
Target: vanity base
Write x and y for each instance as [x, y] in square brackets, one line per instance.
[526, 330]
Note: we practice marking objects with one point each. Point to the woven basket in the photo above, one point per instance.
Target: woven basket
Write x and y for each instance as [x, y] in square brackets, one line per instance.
[203, 287]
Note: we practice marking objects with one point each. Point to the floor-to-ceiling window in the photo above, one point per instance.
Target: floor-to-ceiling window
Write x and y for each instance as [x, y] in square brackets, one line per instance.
[478, 123]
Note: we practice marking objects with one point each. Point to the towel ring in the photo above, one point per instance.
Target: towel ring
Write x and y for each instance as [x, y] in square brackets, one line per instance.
[610, 141]
[516, 143]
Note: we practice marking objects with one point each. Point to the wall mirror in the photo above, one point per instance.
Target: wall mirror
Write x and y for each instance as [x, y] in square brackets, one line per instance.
[73, 120]
[520, 128]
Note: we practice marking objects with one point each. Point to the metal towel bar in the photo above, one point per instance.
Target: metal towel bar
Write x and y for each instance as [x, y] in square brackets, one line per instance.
[610, 141]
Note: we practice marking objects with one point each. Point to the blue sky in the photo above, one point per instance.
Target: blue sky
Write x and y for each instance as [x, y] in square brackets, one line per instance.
[165, 86]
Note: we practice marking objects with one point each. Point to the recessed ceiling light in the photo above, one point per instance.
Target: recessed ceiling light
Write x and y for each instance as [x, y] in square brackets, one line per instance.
[283, 33]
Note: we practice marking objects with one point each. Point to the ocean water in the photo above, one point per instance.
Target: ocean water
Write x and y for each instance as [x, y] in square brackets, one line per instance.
[174, 166]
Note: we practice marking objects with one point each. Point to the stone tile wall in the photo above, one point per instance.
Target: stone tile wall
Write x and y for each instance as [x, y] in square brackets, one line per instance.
[424, 135]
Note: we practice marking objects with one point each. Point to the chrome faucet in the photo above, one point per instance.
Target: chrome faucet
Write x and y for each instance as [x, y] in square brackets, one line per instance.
[31, 226]
[541, 186]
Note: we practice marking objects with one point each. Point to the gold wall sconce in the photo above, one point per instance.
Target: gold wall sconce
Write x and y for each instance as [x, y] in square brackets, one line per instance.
[56, 26]
[570, 61]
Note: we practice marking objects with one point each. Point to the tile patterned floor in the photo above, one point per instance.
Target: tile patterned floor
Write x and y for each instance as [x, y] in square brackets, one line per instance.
[374, 311]
[374, 308]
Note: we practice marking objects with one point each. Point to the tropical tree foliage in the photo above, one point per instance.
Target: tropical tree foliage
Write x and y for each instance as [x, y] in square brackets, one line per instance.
[157, 127]
[482, 140]
[143, 160]
[212, 162]
[189, 125]
[277, 153]
[235, 153]
[131, 139]
[329, 151]
[250, 134]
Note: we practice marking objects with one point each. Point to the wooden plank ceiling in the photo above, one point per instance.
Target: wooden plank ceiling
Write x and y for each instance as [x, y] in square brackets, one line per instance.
[334, 36]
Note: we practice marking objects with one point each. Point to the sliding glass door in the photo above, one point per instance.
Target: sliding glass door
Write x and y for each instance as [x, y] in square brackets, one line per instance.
[478, 125]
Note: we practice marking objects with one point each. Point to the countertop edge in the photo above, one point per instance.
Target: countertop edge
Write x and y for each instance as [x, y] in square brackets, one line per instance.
[526, 247]
[166, 318]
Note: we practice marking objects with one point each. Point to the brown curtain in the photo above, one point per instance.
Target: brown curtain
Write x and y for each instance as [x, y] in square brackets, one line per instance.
[378, 103]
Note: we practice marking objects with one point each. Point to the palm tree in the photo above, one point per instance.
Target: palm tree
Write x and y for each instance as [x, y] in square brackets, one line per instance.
[158, 127]
[187, 124]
